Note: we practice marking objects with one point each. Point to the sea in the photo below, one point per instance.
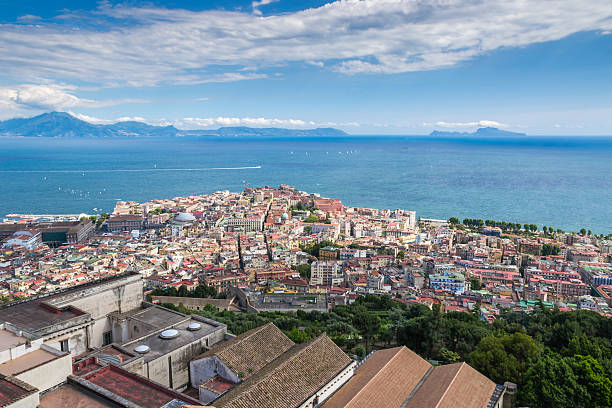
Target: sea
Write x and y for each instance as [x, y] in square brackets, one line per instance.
[563, 182]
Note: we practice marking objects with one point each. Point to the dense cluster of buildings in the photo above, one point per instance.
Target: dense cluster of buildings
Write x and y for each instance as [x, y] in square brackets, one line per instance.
[260, 240]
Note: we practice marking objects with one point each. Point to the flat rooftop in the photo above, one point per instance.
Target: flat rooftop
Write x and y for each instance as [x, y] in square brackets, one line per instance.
[27, 362]
[34, 315]
[154, 318]
[136, 389]
[158, 346]
[8, 339]
[73, 396]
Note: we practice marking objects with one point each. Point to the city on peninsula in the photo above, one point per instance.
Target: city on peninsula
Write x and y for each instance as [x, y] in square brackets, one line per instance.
[277, 297]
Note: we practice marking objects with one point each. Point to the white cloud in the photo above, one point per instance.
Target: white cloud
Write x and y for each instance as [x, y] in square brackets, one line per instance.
[41, 97]
[97, 121]
[147, 46]
[29, 97]
[202, 123]
[319, 64]
[28, 18]
[480, 123]
[257, 4]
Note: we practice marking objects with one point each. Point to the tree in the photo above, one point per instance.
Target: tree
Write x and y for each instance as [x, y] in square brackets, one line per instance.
[583, 231]
[505, 358]
[448, 356]
[566, 382]
[591, 376]
[596, 347]
[182, 291]
[475, 283]
[453, 220]
[297, 336]
[550, 249]
[367, 324]
[311, 218]
[360, 352]
[303, 270]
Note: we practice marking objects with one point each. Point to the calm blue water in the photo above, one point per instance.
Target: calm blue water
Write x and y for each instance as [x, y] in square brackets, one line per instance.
[560, 182]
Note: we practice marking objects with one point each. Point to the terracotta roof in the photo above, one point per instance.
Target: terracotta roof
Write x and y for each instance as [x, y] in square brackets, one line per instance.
[248, 353]
[12, 390]
[385, 380]
[290, 379]
[453, 386]
[135, 388]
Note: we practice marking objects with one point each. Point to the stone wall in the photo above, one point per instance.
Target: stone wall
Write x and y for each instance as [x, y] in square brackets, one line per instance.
[193, 303]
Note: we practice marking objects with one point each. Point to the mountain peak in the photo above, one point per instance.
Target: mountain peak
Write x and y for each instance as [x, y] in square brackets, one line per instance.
[65, 125]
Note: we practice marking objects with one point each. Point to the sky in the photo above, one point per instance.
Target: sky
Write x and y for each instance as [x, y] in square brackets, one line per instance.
[368, 67]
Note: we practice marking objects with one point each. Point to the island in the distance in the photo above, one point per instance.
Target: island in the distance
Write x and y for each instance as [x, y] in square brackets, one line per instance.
[64, 125]
[481, 132]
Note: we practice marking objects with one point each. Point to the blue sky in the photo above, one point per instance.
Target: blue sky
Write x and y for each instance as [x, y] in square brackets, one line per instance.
[368, 67]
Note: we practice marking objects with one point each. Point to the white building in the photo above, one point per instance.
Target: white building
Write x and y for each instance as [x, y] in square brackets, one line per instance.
[326, 273]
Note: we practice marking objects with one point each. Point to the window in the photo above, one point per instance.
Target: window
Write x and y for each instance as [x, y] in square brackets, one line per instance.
[64, 345]
[107, 338]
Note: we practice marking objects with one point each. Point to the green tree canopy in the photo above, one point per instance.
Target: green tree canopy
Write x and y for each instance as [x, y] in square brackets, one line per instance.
[504, 358]
[566, 382]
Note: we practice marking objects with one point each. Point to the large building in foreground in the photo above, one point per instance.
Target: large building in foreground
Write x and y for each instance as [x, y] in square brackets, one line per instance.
[77, 319]
[110, 315]
[264, 368]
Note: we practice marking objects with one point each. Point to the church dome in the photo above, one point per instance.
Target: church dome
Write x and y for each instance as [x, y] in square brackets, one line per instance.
[184, 217]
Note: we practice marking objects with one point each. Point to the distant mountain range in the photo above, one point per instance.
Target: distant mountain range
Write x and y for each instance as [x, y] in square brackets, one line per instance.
[481, 132]
[64, 125]
[61, 124]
